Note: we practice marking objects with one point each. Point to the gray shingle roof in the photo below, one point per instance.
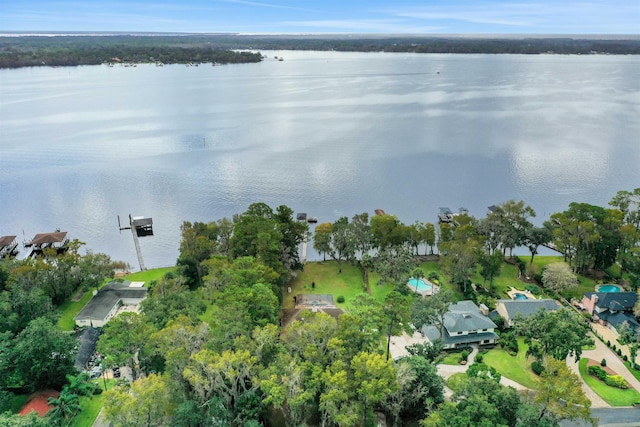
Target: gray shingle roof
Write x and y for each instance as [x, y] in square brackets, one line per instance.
[466, 316]
[527, 307]
[102, 303]
[616, 301]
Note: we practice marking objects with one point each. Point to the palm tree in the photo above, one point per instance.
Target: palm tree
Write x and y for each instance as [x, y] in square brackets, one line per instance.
[80, 385]
[65, 407]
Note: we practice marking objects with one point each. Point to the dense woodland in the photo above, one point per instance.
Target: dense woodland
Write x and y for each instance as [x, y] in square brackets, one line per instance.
[28, 51]
[209, 347]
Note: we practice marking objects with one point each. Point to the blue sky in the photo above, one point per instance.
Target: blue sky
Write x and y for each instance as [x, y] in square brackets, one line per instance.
[329, 16]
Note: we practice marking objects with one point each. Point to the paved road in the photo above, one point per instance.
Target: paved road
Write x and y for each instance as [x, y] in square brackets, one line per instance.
[611, 417]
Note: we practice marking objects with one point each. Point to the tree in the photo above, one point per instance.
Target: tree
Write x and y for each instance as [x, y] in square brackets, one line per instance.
[167, 300]
[557, 333]
[559, 278]
[374, 379]
[432, 310]
[293, 233]
[387, 231]
[460, 260]
[228, 376]
[124, 336]
[394, 264]
[43, 355]
[415, 234]
[148, 402]
[199, 242]
[322, 238]
[343, 245]
[560, 396]
[396, 314]
[513, 218]
[490, 266]
[361, 232]
[534, 237]
[257, 233]
[430, 236]
[64, 407]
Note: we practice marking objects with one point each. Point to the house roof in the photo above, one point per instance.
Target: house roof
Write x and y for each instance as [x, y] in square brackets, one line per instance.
[102, 302]
[314, 300]
[6, 240]
[615, 301]
[44, 238]
[433, 334]
[466, 316]
[527, 307]
[617, 319]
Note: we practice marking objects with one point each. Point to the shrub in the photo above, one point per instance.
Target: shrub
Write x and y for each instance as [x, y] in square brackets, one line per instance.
[603, 362]
[587, 316]
[619, 351]
[534, 289]
[340, 299]
[614, 347]
[636, 367]
[464, 355]
[479, 358]
[597, 371]
[433, 276]
[537, 367]
[616, 381]
[625, 358]
[608, 343]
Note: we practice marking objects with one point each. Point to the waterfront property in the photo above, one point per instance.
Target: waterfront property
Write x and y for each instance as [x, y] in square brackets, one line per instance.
[111, 299]
[464, 325]
[516, 294]
[509, 309]
[611, 309]
[8, 247]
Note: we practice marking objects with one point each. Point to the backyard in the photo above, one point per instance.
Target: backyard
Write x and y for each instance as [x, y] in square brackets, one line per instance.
[516, 368]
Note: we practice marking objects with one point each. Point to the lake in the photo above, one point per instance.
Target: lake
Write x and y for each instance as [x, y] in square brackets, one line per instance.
[326, 133]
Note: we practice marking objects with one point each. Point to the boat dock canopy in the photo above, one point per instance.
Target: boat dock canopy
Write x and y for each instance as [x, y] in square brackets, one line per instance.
[143, 226]
[47, 238]
[301, 216]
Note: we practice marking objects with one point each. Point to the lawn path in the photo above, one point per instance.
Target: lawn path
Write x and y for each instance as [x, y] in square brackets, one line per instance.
[445, 371]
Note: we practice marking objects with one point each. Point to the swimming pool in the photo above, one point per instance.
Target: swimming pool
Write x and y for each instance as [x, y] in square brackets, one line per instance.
[609, 288]
[520, 296]
[422, 286]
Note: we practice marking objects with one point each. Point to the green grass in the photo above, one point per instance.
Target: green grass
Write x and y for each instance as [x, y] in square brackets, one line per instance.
[457, 381]
[328, 280]
[91, 407]
[69, 309]
[612, 395]
[452, 358]
[149, 275]
[516, 368]
[634, 372]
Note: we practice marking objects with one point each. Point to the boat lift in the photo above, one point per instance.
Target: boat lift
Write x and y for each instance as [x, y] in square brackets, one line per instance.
[140, 227]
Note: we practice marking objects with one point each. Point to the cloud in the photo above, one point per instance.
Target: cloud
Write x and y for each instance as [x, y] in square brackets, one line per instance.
[269, 5]
[364, 25]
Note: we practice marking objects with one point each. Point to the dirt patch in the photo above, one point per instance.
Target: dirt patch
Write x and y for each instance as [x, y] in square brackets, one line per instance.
[38, 402]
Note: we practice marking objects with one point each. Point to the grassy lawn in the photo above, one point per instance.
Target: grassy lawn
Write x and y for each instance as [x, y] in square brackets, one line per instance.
[149, 275]
[516, 368]
[451, 358]
[328, 280]
[612, 395]
[634, 372]
[90, 407]
[456, 381]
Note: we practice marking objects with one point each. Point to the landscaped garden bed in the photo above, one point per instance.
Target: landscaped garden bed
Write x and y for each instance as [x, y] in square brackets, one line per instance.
[612, 395]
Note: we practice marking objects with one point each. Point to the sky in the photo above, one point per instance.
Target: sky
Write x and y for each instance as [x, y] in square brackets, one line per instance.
[325, 16]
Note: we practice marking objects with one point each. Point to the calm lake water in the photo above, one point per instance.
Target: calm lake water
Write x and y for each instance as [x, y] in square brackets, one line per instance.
[326, 133]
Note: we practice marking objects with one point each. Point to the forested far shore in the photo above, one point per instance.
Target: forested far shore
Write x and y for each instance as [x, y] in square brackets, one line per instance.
[65, 50]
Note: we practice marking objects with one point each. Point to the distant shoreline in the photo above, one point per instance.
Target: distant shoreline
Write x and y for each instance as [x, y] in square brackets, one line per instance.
[71, 49]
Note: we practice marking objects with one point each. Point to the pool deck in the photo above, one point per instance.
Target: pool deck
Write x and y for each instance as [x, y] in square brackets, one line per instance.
[513, 292]
[434, 289]
[597, 289]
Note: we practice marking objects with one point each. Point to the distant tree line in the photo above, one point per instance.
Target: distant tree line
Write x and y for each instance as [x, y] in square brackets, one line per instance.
[28, 51]
[85, 50]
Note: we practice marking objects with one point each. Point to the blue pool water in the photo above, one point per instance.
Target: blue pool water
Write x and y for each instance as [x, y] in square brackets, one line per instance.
[521, 296]
[609, 288]
[422, 286]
